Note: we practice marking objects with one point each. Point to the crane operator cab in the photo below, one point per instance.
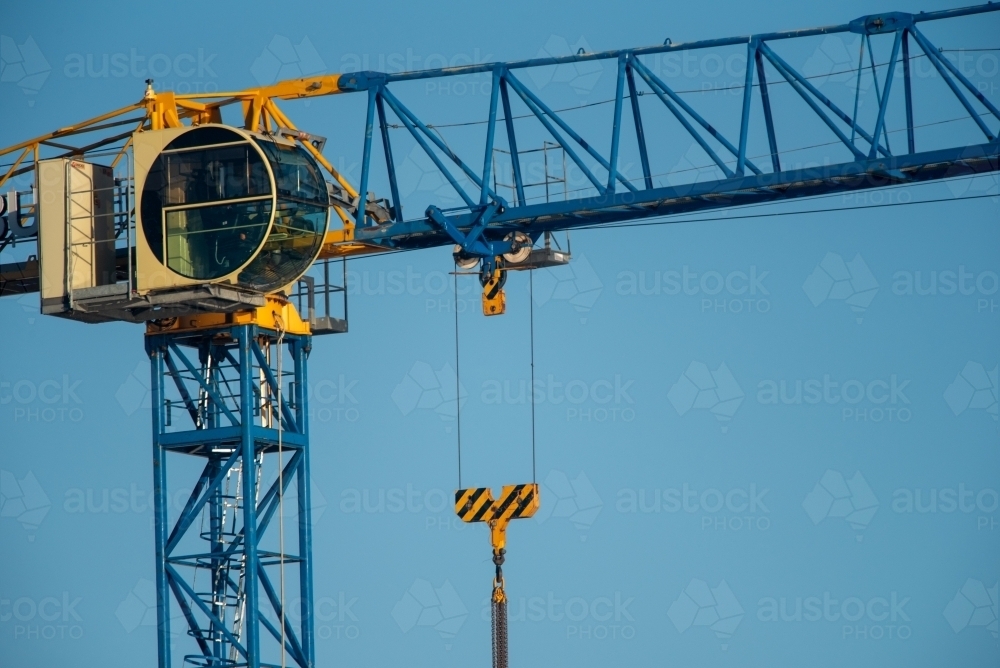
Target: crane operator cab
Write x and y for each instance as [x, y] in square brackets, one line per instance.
[223, 217]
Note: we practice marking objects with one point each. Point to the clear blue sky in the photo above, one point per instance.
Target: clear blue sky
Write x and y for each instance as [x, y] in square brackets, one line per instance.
[855, 482]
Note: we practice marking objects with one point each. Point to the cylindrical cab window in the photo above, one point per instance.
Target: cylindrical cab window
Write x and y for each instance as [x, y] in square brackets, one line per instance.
[300, 218]
[216, 202]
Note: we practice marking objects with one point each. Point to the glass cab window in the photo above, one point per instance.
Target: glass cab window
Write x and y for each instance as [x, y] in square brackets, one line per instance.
[216, 202]
[300, 218]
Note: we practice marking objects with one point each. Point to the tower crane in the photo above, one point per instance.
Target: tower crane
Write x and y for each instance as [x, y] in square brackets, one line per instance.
[200, 216]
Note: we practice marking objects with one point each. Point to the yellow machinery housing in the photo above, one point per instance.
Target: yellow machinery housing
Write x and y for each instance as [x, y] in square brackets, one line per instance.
[225, 206]
[224, 217]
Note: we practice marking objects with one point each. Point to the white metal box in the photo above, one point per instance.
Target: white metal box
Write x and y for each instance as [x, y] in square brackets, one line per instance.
[76, 230]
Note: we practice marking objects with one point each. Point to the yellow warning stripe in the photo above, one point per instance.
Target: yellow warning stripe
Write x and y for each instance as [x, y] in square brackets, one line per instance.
[515, 502]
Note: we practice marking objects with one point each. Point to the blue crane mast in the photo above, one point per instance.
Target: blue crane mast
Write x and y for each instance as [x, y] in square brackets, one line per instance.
[211, 233]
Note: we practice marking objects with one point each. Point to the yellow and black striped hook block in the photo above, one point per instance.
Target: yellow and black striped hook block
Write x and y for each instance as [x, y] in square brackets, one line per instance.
[478, 505]
[494, 298]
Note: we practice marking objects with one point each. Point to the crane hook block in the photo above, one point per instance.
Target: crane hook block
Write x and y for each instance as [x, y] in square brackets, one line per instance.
[494, 299]
[478, 505]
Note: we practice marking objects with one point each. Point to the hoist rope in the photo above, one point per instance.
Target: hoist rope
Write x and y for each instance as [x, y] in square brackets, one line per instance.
[281, 492]
[531, 388]
[458, 388]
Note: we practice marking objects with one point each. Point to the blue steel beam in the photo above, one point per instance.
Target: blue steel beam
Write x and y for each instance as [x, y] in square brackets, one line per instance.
[491, 125]
[863, 174]
[866, 25]
[640, 134]
[160, 500]
[265, 508]
[908, 93]
[616, 126]
[745, 117]
[303, 480]
[512, 143]
[397, 204]
[248, 448]
[367, 159]
[884, 101]
[191, 594]
[182, 389]
[765, 100]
